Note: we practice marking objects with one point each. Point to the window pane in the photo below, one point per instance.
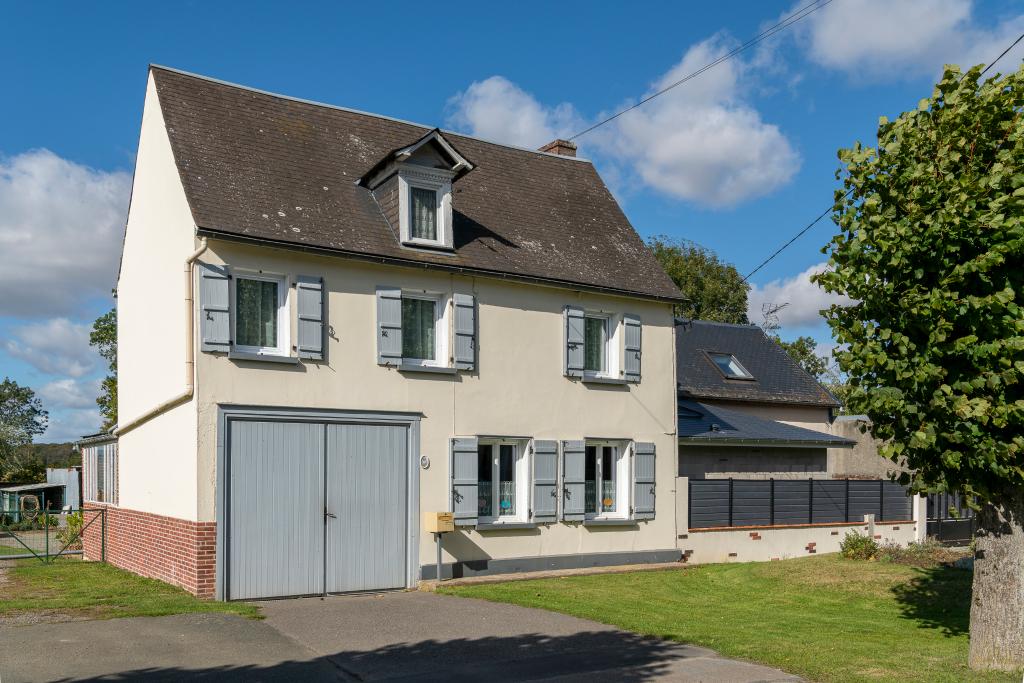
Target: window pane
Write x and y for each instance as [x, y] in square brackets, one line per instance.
[100, 465]
[418, 328]
[593, 344]
[729, 365]
[608, 479]
[507, 479]
[424, 214]
[590, 480]
[256, 317]
[485, 484]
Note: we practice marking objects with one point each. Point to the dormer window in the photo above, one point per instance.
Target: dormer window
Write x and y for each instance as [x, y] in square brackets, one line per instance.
[413, 186]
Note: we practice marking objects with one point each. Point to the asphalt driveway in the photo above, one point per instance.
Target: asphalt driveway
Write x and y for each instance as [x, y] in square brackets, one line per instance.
[387, 637]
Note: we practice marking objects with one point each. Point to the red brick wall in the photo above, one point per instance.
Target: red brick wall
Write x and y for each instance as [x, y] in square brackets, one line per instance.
[177, 551]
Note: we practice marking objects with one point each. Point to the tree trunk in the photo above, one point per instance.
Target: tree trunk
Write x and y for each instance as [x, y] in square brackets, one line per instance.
[997, 601]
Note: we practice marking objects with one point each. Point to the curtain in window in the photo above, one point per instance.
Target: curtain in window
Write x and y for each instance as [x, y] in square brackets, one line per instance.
[593, 345]
[424, 214]
[418, 328]
[485, 482]
[256, 316]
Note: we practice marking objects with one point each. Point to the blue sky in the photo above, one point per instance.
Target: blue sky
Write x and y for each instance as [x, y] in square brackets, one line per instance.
[737, 160]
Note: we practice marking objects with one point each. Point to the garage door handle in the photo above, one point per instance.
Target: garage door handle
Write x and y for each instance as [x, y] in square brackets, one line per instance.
[329, 514]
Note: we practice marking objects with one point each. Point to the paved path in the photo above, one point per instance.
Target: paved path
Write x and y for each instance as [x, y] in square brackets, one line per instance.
[389, 637]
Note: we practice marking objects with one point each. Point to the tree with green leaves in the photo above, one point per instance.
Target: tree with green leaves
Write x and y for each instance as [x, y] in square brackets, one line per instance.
[804, 350]
[22, 418]
[104, 338]
[931, 250]
[714, 290]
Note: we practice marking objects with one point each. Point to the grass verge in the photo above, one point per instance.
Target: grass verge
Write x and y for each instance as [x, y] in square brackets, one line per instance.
[825, 618]
[97, 591]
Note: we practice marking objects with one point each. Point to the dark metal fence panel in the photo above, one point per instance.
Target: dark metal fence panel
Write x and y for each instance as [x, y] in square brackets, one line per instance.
[709, 503]
[751, 502]
[792, 502]
[767, 502]
[829, 501]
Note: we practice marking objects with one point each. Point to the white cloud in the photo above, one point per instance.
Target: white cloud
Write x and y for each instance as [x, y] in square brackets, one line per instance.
[805, 299]
[60, 233]
[882, 38]
[701, 142]
[70, 425]
[56, 347]
[69, 393]
[497, 109]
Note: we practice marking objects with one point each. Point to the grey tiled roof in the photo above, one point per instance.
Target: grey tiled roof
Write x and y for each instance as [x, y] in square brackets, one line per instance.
[699, 422]
[777, 377]
[283, 171]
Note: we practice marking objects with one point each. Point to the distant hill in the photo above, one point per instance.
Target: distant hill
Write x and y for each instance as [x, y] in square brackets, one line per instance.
[57, 454]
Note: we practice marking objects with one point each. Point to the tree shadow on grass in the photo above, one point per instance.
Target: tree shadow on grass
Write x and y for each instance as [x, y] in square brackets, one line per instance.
[938, 598]
[600, 655]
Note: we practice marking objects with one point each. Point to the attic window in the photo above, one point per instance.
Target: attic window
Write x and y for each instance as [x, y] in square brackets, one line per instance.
[425, 204]
[729, 366]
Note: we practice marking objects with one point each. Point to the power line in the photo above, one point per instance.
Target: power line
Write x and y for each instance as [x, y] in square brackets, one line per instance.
[829, 210]
[801, 13]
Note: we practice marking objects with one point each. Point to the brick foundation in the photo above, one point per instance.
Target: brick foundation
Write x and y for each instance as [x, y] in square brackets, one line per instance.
[177, 551]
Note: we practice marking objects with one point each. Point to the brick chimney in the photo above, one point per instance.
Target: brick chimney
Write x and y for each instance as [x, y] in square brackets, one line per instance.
[563, 147]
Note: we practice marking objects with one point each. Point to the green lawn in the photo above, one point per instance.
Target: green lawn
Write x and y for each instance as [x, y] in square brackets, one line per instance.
[97, 591]
[824, 618]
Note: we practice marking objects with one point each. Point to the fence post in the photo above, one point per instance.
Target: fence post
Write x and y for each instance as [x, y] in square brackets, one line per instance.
[846, 511]
[103, 534]
[810, 500]
[881, 499]
[730, 501]
[771, 501]
[46, 531]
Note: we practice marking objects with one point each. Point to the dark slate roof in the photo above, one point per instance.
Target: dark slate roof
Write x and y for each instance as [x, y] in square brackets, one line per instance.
[265, 167]
[777, 377]
[699, 422]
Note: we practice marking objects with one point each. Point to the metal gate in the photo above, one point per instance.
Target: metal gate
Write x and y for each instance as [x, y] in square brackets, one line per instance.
[315, 508]
[950, 520]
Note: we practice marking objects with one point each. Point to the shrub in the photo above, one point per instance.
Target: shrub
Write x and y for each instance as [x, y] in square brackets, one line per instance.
[855, 546]
[69, 536]
[927, 553]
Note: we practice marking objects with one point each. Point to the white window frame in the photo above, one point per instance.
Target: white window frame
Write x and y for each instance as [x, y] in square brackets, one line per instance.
[521, 470]
[91, 491]
[611, 345]
[283, 316]
[441, 326]
[441, 185]
[623, 479]
[745, 374]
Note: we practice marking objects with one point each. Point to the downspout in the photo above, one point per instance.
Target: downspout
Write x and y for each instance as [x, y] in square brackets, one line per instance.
[190, 349]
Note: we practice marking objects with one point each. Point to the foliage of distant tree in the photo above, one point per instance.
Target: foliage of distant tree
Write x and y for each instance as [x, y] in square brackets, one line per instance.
[22, 418]
[930, 249]
[804, 350]
[104, 338]
[714, 290]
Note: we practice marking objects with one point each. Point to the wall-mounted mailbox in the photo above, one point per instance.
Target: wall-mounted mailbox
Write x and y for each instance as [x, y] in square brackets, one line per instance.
[438, 522]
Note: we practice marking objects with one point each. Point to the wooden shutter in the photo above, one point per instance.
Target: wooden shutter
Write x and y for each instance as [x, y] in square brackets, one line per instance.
[389, 326]
[465, 331]
[574, 455]
[465, 480]
[633, 341]
[214, 308]
[545, 481]
[643, 480]
[573, 341]
[309, 293]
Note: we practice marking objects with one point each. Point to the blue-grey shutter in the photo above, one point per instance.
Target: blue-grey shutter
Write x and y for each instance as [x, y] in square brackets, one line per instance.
[574, 454]
[633, 341]
[643, 480]
[545, 481]
[465, 480]
[573, 341]
[465, 331]
[214, 308]
[309, 292]
[389, 326]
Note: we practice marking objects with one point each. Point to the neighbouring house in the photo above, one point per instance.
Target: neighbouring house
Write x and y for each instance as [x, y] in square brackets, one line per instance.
[331, 323]
[747, 409]
[756, 456]
[60, 492]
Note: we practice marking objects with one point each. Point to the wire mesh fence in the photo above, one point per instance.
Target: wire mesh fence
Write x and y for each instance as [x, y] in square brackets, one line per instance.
[47, 535]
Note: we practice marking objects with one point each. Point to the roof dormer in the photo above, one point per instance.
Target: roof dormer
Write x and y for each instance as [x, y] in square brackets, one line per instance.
[425, 171]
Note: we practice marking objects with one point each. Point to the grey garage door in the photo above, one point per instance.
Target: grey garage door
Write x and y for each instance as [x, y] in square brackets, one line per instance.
[315, 508]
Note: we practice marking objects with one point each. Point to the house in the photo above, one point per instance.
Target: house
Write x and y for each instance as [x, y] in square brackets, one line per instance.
[59, 492]
[332, 323]
[747, 409]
